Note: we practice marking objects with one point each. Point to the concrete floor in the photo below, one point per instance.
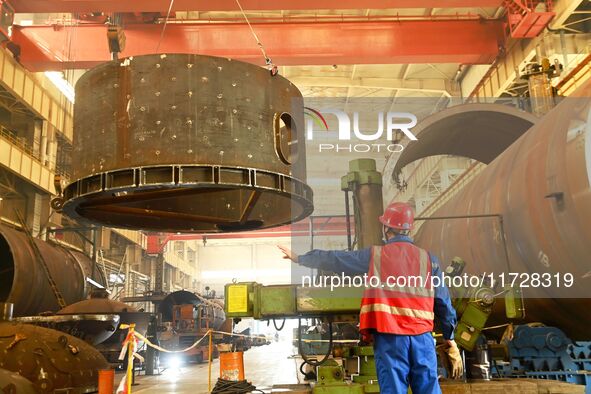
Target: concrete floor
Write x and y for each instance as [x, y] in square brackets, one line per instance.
[264, 366]
[273, 364]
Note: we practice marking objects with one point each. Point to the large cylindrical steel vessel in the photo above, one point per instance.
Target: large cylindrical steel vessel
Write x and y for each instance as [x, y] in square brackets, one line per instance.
[99, 304]
[53, 361]
[214, 311]
[540, 188]
[24, 283]
[13, 381]
[189, 143]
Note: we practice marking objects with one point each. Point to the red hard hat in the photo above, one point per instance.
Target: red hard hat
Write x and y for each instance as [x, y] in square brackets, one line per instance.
[398, 215]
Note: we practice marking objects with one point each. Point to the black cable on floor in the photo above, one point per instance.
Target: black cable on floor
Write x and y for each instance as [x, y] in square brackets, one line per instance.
[234, 387]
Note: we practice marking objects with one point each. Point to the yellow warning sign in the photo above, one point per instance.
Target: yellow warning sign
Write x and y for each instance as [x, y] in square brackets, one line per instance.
[237, 299]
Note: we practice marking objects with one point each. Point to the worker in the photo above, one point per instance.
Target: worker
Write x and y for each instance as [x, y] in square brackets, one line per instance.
[398, 319]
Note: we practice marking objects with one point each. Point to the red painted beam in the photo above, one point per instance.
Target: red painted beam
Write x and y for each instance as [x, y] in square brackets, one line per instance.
[376, 42]
[79, 6]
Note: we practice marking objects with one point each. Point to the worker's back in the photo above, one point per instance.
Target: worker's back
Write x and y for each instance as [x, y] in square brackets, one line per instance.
[400, 298]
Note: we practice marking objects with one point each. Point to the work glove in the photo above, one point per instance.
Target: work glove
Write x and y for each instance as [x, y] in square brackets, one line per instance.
[455, 359]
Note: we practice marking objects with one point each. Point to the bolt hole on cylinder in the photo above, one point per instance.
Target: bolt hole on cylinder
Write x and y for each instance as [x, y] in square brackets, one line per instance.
[148, 137]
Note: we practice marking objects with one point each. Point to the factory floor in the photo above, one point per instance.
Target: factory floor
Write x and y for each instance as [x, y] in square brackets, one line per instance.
[264, 366]
[273, 365]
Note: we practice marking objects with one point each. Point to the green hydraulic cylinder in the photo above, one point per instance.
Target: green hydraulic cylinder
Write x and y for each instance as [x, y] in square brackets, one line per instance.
[365, 184]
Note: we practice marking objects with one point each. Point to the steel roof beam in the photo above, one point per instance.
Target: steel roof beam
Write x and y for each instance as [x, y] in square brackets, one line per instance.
[79, 6]
[473, 41]
[411, 85]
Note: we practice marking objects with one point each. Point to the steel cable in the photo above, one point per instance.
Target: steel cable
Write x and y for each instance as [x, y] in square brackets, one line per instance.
[233, 387]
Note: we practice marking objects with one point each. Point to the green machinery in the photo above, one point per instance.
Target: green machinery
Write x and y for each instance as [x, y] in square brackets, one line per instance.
[474, 305]
[331, 379]
[253, 300]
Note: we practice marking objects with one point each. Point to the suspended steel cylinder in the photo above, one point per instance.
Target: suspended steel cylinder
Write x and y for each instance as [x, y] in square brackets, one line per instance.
[23, 281]
[187, 143]
[540, 188]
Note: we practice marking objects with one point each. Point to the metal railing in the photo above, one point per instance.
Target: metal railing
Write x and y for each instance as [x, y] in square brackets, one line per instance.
[20, 143]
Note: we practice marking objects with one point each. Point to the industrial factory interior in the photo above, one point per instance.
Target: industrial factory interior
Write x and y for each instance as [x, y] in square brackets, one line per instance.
[320, 197]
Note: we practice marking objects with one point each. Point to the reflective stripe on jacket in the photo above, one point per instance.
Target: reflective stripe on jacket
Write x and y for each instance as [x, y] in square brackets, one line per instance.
[402, 302]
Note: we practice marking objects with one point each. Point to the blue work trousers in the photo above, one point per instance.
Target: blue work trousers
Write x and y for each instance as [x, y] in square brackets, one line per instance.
[406, 360]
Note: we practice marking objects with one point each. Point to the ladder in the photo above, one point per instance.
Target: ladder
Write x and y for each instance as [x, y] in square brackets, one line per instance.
[58, 295]
[101, 259]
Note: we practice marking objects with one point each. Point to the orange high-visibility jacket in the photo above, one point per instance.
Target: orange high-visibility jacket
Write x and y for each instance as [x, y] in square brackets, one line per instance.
[403, 304]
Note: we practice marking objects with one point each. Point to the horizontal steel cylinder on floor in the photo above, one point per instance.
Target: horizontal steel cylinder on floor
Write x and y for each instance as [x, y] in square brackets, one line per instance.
[24, 283]
[540, 188]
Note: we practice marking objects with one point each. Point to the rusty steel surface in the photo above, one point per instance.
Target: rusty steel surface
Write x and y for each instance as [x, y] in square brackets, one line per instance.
[187, 143]
[96, 305]
[13, 383]
[21, 272]
[541, 187]
[111, 347]
[127, 314]
[485, 131]
[50, 359]
[99, 306]
[91, 328]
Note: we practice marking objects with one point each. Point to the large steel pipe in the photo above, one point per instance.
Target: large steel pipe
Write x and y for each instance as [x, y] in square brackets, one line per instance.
[24, 283]
[540, 188]
[187, 143]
